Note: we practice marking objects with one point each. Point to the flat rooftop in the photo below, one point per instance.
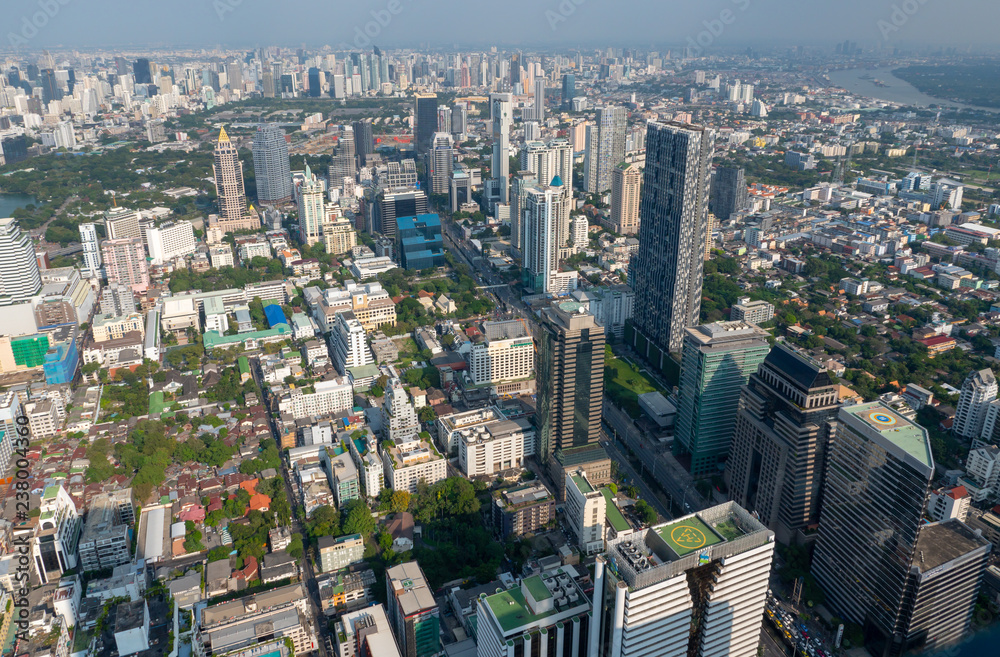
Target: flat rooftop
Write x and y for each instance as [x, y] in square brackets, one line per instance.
[896, 429]
[687, 535]
[942, 542]
[613, 513]
[582, 484]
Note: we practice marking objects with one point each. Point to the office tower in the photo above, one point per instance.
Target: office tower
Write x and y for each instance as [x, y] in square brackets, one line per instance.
[268, 83]
[341, 166]
[539, 111]
[125, 263]
[117, 300]
[444, 119]
[141, 71]
[519, 186]
[364, 140]
[395, 203]
[718, 360]
[729, 192]
[346, 145]
[120, 223]
[669, 266]
[501, 114]
[691, 587]
[459, 119]
[229, 188]
[440, 160]
[784, 428]
[91, 250]
[548, 160]
[312, 198]
[568, 90]
[170, 240]
[413, 613]
[570, 388]
[19, 276]
[234, 73]
[605, 148]
[419, 243]
[541, 218]
[877, 564]
[365, 632]
[979, 389]
[271, 167]
[626, 185]
[425, 119]
[50, 86]
[315, 87]
[14, 149]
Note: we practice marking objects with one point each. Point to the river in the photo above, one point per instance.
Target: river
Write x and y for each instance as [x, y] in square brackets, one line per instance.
[11, 202]
[899, 91]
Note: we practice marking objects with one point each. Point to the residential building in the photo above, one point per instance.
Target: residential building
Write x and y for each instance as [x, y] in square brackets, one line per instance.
[507, 353]
[412, 611]
[104, 543]
[694, 586]
[949, 503]
[221, 256]
[364, 139]
[125, 263]
[752, 312]
[91, 250]
[366, 632]
[121, 223]
[364, 451]
[522, 510]
[611, 306]
[546, 160]
[10, 410]
[369, 302]
[115, 327]
[982, 473]
[19, 276]
[408, 461]
[237, 624]
[781, 443]
[349, 343]
[979, 389]
[729, 193]
[399, 418]
[545, 230]
[626, 186]
[311, 201]
[420, 243]
[586, 511]
[324, 398]
[340, 552]
[170, 240]
[668, 268]
[57, 534]
[570, 393]
[271, 165]
[718, 360]
[339, 235]
[495, 447]
[605, 148]
[440, 161]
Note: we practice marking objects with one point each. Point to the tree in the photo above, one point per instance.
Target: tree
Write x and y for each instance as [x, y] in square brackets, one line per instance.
[645, 512]
[295, 549]
[325, 521]
[427, 414]
[399, 501]
[219, 553]
[358, 519]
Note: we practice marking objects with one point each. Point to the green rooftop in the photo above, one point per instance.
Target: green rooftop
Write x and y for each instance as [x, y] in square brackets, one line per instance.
[157, 403]
[582, 484]
[212, 340]
[892, 426]
[50, 492]
[687, 535]
[244, 364]
[511, 610]
[537, 588]
[614, 515]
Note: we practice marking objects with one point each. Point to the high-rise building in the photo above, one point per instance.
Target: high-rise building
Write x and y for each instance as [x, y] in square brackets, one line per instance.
[538, 114]
[141, 71]
[419, 242]
[549, 159]
[519, 186]
[440, 160]
[541, 219]
[570, 389]
[458, 121]
[506, 354]
[425, 120]
[979, 389]
[315, 86]
[501, 115]
[718, 360]
[57, 534]
[910, 585]
[586, 511]
[691, 587]
[729, 192]
[350, 347]
[121, 223]
[229, 187]
[399, 418]
[605, 148]
[626, 184]
[395, 203]
[784, 429]
[341, 167]
[444, 119]
[91, 250]
[364, 140]
[50, 86]
[413, 613]
[271, 166]
[170, 240]
[117, 300]
[19, 276]
[568, 90]
[312, 199]
[125, 263]
[669, 266]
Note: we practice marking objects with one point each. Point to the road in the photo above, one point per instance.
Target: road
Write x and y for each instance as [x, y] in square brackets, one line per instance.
[645, 492]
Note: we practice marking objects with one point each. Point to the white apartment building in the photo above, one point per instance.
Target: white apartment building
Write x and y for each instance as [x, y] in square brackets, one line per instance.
[349, 343]
[586, 509]
[948, 503]
[327, 398]
[496, 446]
[364, 451]
[250, 249]
[410, 460]
[170, 240]
[369, 302]
[221, 256]
[982, 473]
[399, 418]
[755, 312]
[91, 250]
[507, 353]
[366, 632]
[979, 389]
[610, 306]
[57, 533]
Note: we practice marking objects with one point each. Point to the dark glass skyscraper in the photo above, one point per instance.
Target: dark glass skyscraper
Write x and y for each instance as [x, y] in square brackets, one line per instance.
[426, 116]
[141, 72]
[729, 192]
[568, 90]
[364, 140]
[50, 86]
[673, 221]
[314, 85]
[270, 165]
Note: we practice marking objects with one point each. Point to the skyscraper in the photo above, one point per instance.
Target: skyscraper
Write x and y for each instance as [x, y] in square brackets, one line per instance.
[501, 114]
[538, 114]
[412, 611]
[125, 263]
[315, 87]
[691, 587]
[458, 121]
[605, 148]
[626, 184]
[979, 389]
[717, 361]
[910, 585]
[673, 213]
[141, 71]
[568, 90]
[440, 160]
[425, 119]
[444, 119]
[542, 210]
[50, 86]
[570, 390]
[270, 165]
[229, 188]
[519, 186]
[121, 223]
[19, 276]
[729, 192]
[91, 250]
[364, 140]
[312, 197]
[781, 443]
[548, 160]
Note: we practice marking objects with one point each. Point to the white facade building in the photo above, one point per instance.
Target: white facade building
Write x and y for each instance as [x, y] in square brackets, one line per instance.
[507, 353]
[979, 389]
[586, 509]
[329, 398]
[350, 344]
[91, 250]
[170, 240]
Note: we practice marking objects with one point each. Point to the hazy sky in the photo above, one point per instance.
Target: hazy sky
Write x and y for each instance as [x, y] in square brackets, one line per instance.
[443, 23]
